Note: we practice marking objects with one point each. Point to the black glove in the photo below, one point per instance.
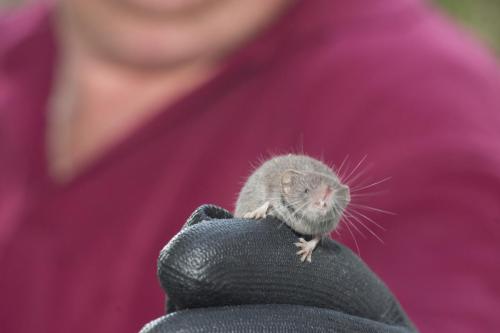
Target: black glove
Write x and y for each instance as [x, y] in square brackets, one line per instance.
[223, 274]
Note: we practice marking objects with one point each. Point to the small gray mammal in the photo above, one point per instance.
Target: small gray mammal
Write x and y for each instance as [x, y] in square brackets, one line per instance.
[299, 190]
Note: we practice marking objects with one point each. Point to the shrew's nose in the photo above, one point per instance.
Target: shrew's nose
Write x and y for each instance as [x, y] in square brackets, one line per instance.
[343, 193]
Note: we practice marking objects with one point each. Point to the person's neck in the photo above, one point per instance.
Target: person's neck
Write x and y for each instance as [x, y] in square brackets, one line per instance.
[103, 83]
[96, 102]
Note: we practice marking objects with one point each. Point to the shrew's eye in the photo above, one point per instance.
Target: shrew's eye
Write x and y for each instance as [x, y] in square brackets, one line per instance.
[306, 190]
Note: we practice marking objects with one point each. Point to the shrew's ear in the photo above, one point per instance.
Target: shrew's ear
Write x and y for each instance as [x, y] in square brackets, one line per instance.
[288, 179]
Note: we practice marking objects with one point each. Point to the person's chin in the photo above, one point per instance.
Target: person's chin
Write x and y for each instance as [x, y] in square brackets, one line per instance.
[168, 6]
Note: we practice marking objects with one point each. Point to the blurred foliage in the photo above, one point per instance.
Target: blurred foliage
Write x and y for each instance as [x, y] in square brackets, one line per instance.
[480, 16]
[7, 3]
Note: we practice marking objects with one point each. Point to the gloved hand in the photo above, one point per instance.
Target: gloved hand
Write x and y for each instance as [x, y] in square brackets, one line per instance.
[224, 274]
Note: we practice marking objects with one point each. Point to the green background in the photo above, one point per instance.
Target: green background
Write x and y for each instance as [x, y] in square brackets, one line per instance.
[482, 17]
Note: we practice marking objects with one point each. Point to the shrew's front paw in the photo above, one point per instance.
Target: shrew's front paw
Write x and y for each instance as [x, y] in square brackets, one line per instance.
[259, 213]
[306, 248]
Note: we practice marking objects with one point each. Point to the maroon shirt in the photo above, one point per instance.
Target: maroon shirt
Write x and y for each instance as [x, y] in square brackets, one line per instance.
[389, 79]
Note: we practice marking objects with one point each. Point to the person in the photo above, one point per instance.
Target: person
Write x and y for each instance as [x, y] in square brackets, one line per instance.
[119, 118]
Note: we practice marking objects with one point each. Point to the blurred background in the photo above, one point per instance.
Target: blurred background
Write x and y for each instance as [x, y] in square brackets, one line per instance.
[479, 16]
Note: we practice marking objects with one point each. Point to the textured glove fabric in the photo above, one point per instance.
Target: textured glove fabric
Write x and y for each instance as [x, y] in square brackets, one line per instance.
[266, 318]
[225, 274]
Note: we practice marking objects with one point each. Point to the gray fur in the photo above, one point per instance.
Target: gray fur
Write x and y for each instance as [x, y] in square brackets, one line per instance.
[265, 184]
